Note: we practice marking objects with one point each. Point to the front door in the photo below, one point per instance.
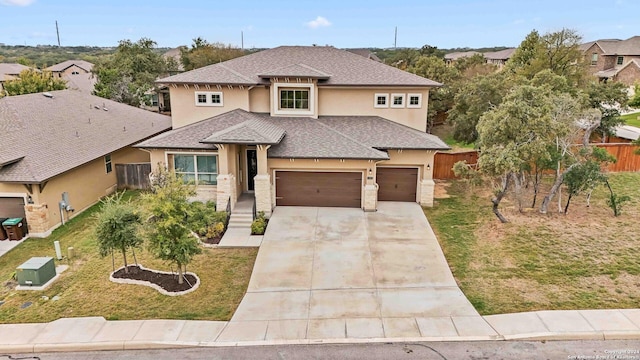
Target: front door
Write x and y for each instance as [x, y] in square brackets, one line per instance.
[252, 168]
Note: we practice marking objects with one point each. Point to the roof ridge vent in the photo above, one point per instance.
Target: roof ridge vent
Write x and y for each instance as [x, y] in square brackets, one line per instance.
[47, 94]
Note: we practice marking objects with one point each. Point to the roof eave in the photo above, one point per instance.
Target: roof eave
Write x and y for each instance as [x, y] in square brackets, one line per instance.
[162, 82]
[328, 158]
[386, 85]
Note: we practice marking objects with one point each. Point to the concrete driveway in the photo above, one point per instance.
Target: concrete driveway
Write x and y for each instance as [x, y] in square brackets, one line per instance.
[338, 272]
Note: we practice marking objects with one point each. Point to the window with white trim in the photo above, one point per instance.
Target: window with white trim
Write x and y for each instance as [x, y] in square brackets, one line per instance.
[594, 59]
[198, 169]
[397, 100]
[294, 99]
[108, 167]
[620, 60]
[414, 101]
[209, 98]
[381, 101]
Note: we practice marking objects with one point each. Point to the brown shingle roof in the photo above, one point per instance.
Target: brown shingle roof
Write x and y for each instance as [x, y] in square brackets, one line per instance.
[460, 55]
[84, 65]
[500, 55]
[345, 68]
[253, 131]
[630, 46]
[295, 70]
[63, 132]
[12, 69]
[328, 137]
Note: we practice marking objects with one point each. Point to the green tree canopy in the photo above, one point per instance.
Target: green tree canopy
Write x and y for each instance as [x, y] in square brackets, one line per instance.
[33, 81]
[130, 72]
[202, 53]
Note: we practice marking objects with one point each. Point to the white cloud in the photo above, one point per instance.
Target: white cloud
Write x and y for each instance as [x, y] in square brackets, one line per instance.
[319, 22]
[16, 2]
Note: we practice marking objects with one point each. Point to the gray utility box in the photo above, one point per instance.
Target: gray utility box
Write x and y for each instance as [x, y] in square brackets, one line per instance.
[36, 271]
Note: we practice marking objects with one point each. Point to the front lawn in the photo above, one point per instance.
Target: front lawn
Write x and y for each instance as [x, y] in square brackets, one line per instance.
[85, 289]
[587, 259]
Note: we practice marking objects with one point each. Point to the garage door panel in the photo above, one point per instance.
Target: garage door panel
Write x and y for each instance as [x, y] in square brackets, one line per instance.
[299, 188]
[397, 184]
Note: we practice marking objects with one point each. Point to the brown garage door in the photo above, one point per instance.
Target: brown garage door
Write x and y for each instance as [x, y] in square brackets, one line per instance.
[397, 184]
[11, 207]
[299, 188]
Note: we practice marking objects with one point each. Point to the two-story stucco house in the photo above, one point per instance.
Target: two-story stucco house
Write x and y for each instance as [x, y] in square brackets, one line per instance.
[301, 126]
[615, 60]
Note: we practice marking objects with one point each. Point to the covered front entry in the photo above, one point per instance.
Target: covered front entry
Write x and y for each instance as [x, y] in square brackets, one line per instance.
[304, 188]
[397, 184]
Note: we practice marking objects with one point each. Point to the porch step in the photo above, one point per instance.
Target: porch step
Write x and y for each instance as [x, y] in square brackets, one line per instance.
[240, 220]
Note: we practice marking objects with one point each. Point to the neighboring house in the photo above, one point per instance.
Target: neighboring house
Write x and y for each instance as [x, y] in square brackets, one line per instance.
[77, 73]
[614, 59]
[176, 55]
[11, 71]
[499, 58]
[65, 142]
[625, 134]
[365, 53]
[455, 56]
[301, 126]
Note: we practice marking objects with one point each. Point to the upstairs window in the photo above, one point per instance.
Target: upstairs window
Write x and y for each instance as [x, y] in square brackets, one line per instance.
[108, 167]
[199, 169]
[381, 101]
[209, 98]
[397, 100]
[414, 101]
[294, 99]
[594, 59]
[620, 60]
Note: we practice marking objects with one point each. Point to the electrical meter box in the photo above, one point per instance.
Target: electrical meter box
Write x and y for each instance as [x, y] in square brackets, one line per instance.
[36, 271]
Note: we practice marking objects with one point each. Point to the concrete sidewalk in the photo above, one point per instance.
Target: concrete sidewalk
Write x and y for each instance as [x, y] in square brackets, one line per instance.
[95, 333]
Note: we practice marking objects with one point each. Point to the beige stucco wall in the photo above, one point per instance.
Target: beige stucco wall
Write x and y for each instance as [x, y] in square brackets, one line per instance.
[183, 104]
[350, 101]
[259, 99]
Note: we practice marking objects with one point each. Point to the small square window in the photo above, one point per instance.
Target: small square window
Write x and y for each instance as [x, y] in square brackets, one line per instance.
[202, 99]
[209, 98]
[620, 60]
[397, 100]
[381, 101]
[107, 163]
[415, 101]
[216, 99]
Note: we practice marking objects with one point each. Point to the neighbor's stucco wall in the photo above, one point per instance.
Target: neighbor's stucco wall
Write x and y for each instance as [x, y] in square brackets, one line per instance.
[183, 103]
[350, 101]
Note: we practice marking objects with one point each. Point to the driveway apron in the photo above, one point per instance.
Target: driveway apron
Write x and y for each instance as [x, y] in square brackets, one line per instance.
[340, 272]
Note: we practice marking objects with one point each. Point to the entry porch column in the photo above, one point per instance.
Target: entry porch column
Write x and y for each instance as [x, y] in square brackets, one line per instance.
[262, 182]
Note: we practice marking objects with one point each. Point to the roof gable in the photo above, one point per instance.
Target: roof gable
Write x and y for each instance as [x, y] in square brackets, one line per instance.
[84, 65]
[249, 132]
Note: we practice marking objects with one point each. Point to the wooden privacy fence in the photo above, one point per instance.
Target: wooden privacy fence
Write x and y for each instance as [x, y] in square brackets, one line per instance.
[443, 163]
[627, 160]
[133, 176]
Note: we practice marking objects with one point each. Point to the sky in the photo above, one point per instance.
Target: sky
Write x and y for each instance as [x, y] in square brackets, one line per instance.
[340, 23]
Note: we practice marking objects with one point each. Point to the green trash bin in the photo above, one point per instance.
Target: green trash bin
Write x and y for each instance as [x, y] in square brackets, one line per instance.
[14, 228]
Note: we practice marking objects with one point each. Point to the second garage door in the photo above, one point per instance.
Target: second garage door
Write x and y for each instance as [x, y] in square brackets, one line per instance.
[397, 184]
[300, 188]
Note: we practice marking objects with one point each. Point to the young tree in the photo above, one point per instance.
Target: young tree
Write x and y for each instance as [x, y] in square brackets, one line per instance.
[203, 53]
[130, 72]
[118, 228]
[169, 237]
[32, 81]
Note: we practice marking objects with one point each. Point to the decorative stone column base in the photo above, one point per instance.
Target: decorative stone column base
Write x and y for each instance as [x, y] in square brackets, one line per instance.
[262, 186]
[370, 197]
[223, 191]
[37, 217]
[427, 188]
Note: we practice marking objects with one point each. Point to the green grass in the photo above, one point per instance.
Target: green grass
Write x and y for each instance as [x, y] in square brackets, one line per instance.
[631, 119]
[586, 259]
[85, 289]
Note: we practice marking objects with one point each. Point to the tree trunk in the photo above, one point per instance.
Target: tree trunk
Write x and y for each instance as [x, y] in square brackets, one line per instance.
[518, 189]
[560, 200]
[180, 276]
[124, 258]
[113, 261]
[589, 198]
[496, 199]
[134, 256]
[536, 186]
[566, 207]
[554, 189]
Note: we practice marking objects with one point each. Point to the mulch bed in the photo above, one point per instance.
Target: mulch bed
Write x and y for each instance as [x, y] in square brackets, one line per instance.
[168, 282]
[214, 240]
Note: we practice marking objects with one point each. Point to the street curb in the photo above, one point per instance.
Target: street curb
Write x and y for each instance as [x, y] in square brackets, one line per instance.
[145, 345]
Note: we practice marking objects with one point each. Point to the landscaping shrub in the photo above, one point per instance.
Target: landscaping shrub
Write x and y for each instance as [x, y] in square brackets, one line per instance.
[201, 215]
[215, 230]
[259, 225]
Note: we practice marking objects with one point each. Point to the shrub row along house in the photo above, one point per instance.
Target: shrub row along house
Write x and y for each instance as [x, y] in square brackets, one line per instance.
[301, 126]
[65, 142]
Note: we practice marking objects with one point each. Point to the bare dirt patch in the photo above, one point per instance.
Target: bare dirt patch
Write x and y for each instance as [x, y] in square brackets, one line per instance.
[440, 190]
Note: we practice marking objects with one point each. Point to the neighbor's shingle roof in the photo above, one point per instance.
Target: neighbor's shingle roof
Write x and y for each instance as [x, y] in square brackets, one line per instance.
[85, 65]
[500, 55]
[345, 68]
[61, 133]
[460, 55]
[630, 46]
[365, 53]
[12, 69]
[615, 71]
[332, 137]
